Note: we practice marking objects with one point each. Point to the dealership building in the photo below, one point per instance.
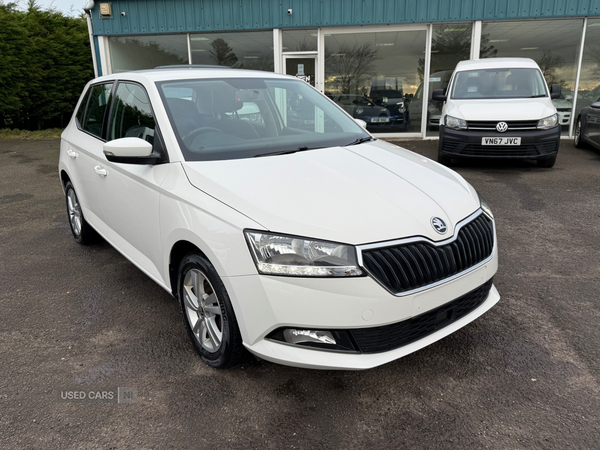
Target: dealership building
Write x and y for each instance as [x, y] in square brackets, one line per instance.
[378, 59]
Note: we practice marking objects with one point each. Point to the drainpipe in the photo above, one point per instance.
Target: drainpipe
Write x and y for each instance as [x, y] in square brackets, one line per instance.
[88, 13]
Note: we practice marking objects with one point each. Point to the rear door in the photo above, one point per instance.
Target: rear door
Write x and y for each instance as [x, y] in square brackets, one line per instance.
[85, 151]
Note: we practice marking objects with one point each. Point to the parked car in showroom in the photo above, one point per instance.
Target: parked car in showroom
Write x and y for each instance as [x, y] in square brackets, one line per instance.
[499, 108]
[587, 127]
[437, 80]
[379, 118]
[315, 247]
[564, 109]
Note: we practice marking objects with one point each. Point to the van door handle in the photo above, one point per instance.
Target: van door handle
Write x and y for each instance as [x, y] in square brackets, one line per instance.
[100, 171]
[72, 154]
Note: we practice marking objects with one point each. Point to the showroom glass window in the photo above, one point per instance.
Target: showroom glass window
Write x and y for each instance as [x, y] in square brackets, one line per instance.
[373, 76]
[589, 80]
[248, 50]
[96, 109]
[147, 52]
[552, 44]
[450, 44]
[300, 40]
[131, 114]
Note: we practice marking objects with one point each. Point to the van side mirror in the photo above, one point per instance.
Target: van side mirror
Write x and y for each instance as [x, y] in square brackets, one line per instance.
[439, 95]
[555, 90]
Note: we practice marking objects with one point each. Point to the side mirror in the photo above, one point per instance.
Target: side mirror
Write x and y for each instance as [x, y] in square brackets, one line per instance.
[361, 123]
[439, 95]
[130, 150]
[555, 91]
[595, 105]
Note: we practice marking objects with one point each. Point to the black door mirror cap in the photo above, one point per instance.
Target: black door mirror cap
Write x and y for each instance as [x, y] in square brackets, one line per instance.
[439, 95]
[555, 91]
[595, 105]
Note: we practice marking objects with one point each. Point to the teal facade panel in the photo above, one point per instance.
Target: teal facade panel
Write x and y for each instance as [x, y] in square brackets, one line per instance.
[181, 16]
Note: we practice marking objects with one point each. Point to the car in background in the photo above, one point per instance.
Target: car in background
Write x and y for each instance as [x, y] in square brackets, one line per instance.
[379, 118]
[587, 128]
[564, 108]
[302, 239]
[499, 108]
[437, 80]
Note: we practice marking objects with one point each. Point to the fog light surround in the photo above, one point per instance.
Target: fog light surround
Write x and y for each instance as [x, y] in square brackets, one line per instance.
[294, 336]
[332, 340]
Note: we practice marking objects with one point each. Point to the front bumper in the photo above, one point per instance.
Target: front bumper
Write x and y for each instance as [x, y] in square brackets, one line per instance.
[535, 144]
[266, 303]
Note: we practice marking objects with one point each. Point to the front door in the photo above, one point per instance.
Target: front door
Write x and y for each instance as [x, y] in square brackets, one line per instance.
[302, 66]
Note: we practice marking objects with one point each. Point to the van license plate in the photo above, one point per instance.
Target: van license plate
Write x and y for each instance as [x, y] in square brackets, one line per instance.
[501, 141]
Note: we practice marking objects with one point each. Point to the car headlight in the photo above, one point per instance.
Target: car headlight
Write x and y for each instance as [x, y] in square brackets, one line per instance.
[485, 207]
[455, 123]
[276, 254]
[548, 122]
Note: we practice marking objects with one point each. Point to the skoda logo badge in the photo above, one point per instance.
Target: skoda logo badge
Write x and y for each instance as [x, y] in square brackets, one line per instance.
[501, 127]
[439, 225]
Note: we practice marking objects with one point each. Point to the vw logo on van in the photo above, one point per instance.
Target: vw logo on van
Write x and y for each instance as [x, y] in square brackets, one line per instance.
[439, 225]
[501, 127]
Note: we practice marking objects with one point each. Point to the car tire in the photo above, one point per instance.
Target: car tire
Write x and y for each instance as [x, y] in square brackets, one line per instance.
[577, 137]
[547, 162]
[207, 312]
[82, 231]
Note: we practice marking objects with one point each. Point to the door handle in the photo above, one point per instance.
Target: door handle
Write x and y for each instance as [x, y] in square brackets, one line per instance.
[100, 171]
[72, 154]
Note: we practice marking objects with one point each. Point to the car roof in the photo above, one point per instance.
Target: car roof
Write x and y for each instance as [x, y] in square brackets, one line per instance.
[184, 73]
[496, 63]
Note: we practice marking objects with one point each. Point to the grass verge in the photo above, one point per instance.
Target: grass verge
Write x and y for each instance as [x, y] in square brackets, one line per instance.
[41, 135]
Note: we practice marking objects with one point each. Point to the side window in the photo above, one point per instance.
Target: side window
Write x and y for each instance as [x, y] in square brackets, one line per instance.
[81, 111]
[94, 117]
[131, 114]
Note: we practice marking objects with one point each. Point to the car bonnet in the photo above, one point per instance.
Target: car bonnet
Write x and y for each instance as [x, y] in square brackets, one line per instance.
[359, 194]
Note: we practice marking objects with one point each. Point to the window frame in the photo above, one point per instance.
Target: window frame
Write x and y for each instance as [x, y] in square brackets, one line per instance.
[106, 111]
[159, 143]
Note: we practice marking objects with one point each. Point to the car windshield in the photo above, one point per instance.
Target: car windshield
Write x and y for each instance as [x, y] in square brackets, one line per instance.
[232, 118]
[499, 84]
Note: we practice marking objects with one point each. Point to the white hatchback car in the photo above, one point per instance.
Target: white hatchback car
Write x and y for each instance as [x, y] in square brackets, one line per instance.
[316, 247]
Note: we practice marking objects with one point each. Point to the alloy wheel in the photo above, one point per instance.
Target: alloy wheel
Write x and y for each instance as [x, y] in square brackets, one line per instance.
[74, 210]
[203, 310]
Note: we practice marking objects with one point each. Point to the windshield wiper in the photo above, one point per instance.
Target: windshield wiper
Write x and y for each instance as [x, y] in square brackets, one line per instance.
[360, 141]
[536, 96]
[285, 152]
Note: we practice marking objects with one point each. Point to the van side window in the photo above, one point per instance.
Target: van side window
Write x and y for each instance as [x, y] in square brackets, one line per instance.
[131, 114]
[96, 109]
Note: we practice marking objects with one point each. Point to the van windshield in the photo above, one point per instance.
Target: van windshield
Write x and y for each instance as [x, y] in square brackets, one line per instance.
[499, 83]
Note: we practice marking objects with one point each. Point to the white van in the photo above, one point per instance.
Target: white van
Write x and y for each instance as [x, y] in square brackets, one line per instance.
[499, 108]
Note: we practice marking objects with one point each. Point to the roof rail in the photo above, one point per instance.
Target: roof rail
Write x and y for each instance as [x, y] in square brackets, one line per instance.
[192, 66]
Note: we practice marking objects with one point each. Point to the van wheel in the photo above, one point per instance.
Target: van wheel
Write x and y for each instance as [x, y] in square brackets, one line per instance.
[547, 162]
[209, 318]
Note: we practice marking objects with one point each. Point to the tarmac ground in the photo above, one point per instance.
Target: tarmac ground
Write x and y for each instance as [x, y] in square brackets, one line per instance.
[83, 319]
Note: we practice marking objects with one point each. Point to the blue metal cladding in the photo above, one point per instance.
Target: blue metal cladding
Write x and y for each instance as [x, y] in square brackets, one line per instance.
[180, 16]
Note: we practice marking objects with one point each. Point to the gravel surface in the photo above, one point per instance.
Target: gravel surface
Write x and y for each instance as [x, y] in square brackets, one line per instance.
[524, 375]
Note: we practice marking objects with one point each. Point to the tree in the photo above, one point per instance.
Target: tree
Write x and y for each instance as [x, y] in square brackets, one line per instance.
[222, 54]
[549, 64]
[45, 61]
[350, 66]
[449, 48]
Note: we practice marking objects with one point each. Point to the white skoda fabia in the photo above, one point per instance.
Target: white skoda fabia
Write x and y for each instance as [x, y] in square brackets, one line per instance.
[290, 232]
